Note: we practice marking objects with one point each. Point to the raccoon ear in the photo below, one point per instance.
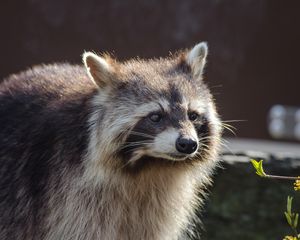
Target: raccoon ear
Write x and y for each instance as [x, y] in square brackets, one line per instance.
[98, 68]
[196, 58]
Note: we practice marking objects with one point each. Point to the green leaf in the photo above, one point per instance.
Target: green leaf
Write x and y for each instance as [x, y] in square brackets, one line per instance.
[258, 167]
[289, 205]
[254, 163]
[296, 220]
[288, 218]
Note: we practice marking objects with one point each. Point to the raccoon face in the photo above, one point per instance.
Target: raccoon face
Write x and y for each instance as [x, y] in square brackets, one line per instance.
[157, 109]
[173, 131]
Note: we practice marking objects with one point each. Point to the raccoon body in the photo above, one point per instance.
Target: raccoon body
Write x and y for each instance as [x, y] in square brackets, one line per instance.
[108, 150]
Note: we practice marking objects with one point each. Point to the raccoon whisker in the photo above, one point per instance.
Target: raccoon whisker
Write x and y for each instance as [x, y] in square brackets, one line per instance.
[135, 144]
[123, 132]
[224, 140]
[129, 162]
[216, 86]
[229, 128]
[131, 150]
[203, 153]
[132, 144]
[205, 138]
[230, 121]
[138, 133]
[142, 141]
[205, 148]
[125, 165]
[204, 145]
[202, 140]
[142, 134]
[224, 144]
[198, 154]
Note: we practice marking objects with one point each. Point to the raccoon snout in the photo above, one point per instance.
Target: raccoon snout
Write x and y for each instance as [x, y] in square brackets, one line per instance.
[186, 145]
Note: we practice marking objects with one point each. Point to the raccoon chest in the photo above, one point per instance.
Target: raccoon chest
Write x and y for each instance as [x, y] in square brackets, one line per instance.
[145, 220]
[115, 215]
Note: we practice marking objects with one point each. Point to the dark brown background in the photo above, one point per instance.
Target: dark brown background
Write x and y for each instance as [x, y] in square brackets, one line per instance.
[254, 44]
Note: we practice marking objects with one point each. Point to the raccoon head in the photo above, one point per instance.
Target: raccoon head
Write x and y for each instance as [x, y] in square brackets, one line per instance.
[158, 109]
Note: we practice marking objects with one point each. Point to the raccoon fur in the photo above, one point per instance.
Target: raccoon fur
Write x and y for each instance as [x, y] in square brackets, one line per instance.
[107, 150]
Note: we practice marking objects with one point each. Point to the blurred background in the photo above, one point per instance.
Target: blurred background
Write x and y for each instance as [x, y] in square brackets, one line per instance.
[254, 44]
[253, 71]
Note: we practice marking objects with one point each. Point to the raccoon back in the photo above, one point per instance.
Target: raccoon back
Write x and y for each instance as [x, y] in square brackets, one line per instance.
[43, 116]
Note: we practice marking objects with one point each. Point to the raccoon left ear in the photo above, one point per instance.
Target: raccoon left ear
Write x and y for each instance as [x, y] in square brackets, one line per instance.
[100, 70]
[196, 58]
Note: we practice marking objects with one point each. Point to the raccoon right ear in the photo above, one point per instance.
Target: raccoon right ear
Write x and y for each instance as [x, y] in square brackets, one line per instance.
[99, 69]
[196, 58]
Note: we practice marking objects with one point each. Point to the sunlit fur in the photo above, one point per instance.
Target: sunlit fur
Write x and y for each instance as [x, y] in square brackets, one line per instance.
[107, 182]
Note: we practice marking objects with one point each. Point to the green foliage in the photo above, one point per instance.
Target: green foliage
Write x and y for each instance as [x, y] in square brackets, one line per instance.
[244, 206]
[291, 217]
[259, 168]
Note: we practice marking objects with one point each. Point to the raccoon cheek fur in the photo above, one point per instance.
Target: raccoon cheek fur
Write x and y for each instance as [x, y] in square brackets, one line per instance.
[106, 150]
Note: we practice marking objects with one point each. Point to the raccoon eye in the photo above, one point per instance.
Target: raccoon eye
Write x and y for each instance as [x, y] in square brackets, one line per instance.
[155, 117]
[193, 116]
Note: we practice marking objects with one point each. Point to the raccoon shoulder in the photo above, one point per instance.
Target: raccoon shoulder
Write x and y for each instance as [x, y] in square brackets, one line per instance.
[45, 103]
[54, 79]
[44, 88]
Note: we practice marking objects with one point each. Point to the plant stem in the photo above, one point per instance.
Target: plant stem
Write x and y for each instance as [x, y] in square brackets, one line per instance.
[282, 177]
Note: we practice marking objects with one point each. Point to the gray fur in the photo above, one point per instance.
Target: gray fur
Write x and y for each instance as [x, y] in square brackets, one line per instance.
[64, 173]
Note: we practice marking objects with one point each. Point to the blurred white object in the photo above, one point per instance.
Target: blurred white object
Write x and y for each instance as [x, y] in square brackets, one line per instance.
[284, 122]
[277, 128]
[277, 111]
[297, 116]
[297, 131]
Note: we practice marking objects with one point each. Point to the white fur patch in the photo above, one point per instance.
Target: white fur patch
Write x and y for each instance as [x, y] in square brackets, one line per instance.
[99, 150]
[97, 67]
[215, 121]
[165, 142]
[97, 59]
[197, 105]
[196, 58]
[165, 104]
[145, 109]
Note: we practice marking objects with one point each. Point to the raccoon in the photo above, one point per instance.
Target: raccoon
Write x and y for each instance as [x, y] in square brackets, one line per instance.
[108, 150]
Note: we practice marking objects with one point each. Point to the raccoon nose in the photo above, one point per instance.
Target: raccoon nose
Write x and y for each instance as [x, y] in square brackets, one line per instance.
[185, 145]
